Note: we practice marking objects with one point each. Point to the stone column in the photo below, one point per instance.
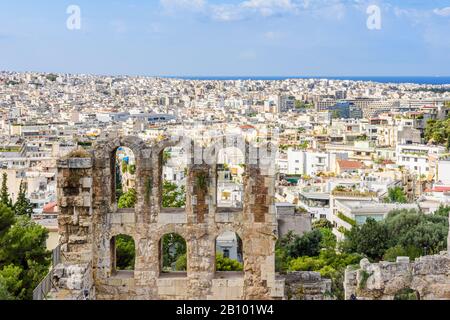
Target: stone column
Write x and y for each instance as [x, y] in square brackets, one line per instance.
[75, 201]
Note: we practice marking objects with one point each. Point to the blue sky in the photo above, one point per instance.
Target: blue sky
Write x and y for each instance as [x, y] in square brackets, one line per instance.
[227, 37]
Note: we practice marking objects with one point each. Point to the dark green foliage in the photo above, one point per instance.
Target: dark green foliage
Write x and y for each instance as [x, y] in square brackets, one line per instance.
[173, 196]
[132, 169]
[125, 252]
[392, 253]
[406, 294]
[329, 240]
[181, 263]
[409, 233]
[128, 199]
[25, 241]
[23, 206]
[11, 285]
[24, 259]
[322, 223]
[437, 131]
[330, 265]
[396, 195]
[307, 245]
[173, 247]
[227, 264]
[4, 195]
[443, 211]
[369, 239]
[7, 219]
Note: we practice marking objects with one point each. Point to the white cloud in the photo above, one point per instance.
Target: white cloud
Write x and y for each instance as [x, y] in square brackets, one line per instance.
[225, 13]
[194, 5]
[269, 7]
[444, 12]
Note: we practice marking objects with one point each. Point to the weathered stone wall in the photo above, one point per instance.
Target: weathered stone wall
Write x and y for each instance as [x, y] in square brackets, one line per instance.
[90, 220]
[73, 282]
[307, 286]
[428, 276]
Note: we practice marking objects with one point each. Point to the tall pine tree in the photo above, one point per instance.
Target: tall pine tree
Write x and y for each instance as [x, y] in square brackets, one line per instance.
[4, 195]
[23, 205]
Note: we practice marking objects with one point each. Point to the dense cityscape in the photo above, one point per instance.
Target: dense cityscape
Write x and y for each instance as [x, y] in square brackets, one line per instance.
[361, 175]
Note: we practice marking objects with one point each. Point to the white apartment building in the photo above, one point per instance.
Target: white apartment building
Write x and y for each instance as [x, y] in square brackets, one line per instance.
[420, 159]
[309, 162]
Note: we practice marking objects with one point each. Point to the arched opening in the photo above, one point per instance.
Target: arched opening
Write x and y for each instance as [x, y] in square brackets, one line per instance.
[173, 255]
[123, 171]
[123, 255]
[174, 176]
[230, 171]
[229, 254]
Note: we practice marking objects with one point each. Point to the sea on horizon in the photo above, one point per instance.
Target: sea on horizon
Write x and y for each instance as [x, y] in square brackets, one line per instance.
[421, 80]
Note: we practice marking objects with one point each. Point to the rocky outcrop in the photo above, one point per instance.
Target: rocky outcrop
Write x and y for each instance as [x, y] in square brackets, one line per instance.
[427, 278]
[305, 285]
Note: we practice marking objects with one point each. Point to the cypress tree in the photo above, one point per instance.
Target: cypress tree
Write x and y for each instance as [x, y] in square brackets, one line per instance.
[4, 195]
[23, 205]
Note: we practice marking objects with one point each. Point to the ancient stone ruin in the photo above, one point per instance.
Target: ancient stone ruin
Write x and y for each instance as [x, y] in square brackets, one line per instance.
[90, 220]
[427, 278]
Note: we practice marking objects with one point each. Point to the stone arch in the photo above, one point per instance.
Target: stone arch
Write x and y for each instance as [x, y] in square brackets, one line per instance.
[214, 155]
[173, 248]
[158, 158]
[104, 165]
[122, 262]
[228, 239]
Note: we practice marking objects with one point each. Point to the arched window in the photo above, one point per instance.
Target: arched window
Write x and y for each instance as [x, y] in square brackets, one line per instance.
[123, 173]
[174, 176]
[173, 254]
[229, 254]
[123, 255]
[230, 171]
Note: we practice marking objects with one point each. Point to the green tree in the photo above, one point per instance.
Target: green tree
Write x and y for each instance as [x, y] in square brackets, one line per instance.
[173, 247]
[173, 196]
[128, 199]
[322, 223]
[403, 232]
[307, 245]
[10, 281]
[22, 248]
[7, 219]
[4, 195]
[369, 239]
[23, 206]
[392, 253]
[396, 195]
[329, 239]
[181, 263]
[329, 264]
[443, 211]
[125, 252]
[227, 264]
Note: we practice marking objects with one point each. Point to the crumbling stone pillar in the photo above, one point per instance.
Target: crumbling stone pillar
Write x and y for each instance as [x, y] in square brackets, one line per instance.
[198, 195]
[75, 203]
